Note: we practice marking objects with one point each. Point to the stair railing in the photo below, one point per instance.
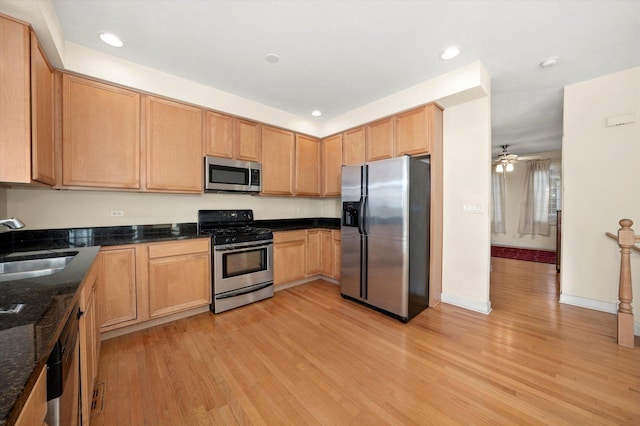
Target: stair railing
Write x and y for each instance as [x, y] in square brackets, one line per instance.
[626, 240]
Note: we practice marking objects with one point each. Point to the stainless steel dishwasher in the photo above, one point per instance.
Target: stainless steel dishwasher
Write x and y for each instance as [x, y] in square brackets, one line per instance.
[63, 376]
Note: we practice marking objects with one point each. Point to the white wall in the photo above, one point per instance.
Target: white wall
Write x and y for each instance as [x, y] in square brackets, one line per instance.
[601, 183]
[45, 208]
[514, 184]
[467, 179]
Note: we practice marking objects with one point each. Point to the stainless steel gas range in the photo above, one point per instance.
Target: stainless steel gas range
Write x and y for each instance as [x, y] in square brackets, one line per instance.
[242, 258]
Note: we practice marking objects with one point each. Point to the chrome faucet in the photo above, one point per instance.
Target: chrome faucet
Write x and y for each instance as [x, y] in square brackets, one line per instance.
[13, 223]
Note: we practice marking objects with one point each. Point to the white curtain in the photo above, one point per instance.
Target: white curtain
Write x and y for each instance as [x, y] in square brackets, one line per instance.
[534, 207]
[497, 211]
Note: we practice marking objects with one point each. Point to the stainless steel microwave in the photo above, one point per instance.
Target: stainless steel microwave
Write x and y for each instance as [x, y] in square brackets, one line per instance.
[225, 175]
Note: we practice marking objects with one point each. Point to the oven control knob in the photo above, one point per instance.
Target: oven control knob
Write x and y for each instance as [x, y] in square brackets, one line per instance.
[233, 239]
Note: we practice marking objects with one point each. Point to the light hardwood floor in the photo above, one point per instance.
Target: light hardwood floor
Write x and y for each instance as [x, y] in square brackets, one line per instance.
[307, 356]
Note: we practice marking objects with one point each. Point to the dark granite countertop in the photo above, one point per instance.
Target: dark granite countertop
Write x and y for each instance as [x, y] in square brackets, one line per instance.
[27, 338]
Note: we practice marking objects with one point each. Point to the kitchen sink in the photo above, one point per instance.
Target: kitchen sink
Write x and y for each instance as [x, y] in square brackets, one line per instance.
[34, 265]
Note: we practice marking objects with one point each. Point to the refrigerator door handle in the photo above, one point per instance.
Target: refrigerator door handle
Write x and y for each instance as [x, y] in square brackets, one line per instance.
[362, 215]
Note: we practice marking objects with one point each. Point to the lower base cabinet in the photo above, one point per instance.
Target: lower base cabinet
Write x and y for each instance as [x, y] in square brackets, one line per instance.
[34, 410]
[89, 341]
[139, 282]
[303, 254]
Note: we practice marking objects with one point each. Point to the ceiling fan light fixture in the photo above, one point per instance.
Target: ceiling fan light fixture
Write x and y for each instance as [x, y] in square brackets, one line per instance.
[111, 39]
[509, 167]
[499, 168]
[450, 53]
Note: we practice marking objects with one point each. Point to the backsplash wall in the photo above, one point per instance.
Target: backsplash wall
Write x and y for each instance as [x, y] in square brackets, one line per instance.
[50, 209]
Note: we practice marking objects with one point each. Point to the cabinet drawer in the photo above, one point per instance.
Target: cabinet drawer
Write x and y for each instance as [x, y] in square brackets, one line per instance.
[287, 236]
[177, 248]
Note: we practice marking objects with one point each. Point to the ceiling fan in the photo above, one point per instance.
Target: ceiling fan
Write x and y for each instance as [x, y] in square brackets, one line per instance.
[504, 162]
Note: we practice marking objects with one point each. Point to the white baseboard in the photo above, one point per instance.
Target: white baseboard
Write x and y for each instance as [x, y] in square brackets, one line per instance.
[463, 302]
[583, 302]
[596, 305]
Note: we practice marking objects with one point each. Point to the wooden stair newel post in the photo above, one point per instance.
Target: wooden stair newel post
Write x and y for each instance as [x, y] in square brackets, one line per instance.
[626, 239]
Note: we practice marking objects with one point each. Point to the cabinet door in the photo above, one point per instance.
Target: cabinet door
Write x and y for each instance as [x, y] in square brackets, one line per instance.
[380, 140]
[248, 140]
[307, 166]
[42, 131]
[288, 256]
[101, 134]
[178, 283]
[117, 298]
[173, 144]
[313, 254]
[416, 129]
[219, 133]
[331, 170]
[326, 251]
[278, 148]
[15, 122]
[89, 342]
[34, 410]
[337, 253]
[353, 146]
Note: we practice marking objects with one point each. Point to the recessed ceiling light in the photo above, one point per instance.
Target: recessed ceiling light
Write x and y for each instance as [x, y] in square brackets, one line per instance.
[549, 62]
[450, 53]
[272, 58]
[316, 113]
[111, 39]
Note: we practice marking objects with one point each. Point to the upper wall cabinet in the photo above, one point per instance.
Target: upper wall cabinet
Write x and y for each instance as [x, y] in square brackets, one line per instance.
[417, 129]
[353, 144]
[380, 139]
[331, 166]
[307, 166]
[278, 148]
[173, 146]
[231, 137]
[100, 135]
[26, 110]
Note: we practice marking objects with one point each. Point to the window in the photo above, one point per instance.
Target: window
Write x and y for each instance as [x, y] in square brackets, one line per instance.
[555, 192]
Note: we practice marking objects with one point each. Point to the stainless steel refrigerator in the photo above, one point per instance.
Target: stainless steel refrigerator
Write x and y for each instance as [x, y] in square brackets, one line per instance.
[385, 235]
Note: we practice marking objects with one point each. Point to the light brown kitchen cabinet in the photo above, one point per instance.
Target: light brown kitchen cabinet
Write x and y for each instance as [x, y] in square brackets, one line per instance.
[331, 166]
[289, 257]
[219, 135]
[313, 252]
[26, 110]
[337, 254]
[139, 282]
[101, 135]
[326, 251]
[353, 146]
[248, 140]
[380, 139]
[42, 116]
[230, 137]
[173, 146]
[34, 410]
[278, 161]
[179, 276]
[416, 130]
[89, 335]
[307, 166]
[117, 287]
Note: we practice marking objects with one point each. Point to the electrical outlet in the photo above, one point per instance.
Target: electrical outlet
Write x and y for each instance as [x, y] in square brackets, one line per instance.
[471, 208]
[116, 213]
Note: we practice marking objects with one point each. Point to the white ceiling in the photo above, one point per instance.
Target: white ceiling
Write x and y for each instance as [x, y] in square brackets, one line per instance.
[338, 55]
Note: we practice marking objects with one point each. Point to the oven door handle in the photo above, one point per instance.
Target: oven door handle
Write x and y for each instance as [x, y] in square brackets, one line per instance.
[242, 291]
[241, 247]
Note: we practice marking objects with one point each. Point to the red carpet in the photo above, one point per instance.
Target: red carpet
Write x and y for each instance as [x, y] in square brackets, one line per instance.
[541, 256]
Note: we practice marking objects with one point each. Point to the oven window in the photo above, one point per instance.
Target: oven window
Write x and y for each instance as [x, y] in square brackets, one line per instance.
[232, 175]
[245, 262]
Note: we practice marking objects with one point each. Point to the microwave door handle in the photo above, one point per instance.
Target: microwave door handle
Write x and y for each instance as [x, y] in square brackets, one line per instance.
[250, 175]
